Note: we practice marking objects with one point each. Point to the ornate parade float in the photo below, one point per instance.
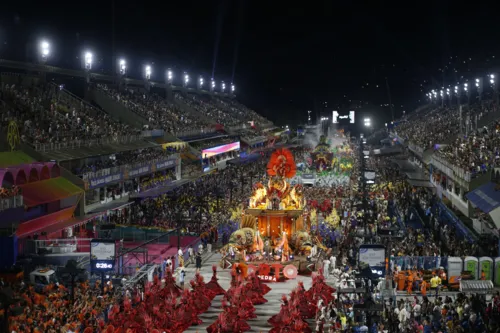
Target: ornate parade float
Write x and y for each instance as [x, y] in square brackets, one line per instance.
[322, 155]
[273, 238]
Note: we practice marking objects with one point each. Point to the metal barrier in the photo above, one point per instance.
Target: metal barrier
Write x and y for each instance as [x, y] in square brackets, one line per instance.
[409, 262]
[125, 139]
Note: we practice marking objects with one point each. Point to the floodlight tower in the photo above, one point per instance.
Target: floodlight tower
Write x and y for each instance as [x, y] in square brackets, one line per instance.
[448, 95]
[43, 54]
[222, 87]
[185, 82]
[458, 95]
[493, 83]
[121, 70]
[169, 78]
[200, 83]
[147, 77]
[212, 85]
[441, 93]
[88, 59]
[467, 92]
[233, 88]
[479, 86]
[44, 51]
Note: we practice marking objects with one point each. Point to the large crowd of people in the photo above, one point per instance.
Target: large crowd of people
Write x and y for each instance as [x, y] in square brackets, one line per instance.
[210, 109]
[159, 112]
[439, 125]
[44, 116]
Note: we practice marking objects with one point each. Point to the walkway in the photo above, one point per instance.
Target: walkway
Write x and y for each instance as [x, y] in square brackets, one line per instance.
[263, 312]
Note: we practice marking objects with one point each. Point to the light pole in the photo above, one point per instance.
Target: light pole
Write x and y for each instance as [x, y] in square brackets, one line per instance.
[87, 64]
[212, 85]
[200, 83]
[479, 86]
[309, 117]
[222, 87]
[493, 84]
[186, 80]
[44, 51]
[448, 95]
[170, 76]
[147, 77]
[233, 88]
[467, 92]
[122, 67]
[442, 98]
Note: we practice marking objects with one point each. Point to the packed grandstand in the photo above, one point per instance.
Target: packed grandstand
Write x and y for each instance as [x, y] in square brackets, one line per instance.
[173, 209]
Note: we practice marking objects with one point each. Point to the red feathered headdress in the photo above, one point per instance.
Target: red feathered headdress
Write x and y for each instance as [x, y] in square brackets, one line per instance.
[281, 164]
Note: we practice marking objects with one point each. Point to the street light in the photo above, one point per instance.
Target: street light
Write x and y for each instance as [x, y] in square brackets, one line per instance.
[147, 72]
[123, 67]
[88, 60]
[44, 50]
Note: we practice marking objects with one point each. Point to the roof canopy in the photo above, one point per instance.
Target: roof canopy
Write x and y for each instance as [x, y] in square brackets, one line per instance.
[49, 190]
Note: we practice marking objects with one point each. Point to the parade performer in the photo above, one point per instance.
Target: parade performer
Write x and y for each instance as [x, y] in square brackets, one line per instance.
[213, 284]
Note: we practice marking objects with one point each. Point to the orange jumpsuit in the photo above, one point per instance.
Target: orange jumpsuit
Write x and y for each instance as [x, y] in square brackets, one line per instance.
[409, 286]
[423, 288]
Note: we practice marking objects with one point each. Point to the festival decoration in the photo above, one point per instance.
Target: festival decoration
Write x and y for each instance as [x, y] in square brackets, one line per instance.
[13, 137]
[281, 164]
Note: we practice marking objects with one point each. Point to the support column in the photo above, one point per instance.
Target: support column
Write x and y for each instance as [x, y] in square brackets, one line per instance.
[268, 226]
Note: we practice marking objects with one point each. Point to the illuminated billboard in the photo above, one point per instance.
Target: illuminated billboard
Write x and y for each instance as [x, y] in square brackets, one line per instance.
[351, 117]
[335, 117]
[210, 152]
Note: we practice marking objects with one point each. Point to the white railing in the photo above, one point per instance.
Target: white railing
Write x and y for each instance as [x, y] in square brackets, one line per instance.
[449, 169]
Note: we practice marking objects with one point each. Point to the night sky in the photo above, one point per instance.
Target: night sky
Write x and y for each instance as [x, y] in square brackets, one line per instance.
[288, 57]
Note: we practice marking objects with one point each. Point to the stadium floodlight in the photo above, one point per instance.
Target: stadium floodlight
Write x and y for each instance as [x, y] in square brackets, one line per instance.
[367, 122]
[44, 49]
[441, 93]
[477, 83]
[170, 76]
[232, 87]
[185, 80]
[466, 86]
[456, 89]
[88, 60]
[123, 66]
[147, 72]
[223, 86]
[448, 91]
[492, 78]
[385, 124]
[200, 82]
[212, 84]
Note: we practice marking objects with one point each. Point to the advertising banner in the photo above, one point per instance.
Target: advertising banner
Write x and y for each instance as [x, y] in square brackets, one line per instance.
[210, 152]
[99, 181]
[136, 172]
[165, 164]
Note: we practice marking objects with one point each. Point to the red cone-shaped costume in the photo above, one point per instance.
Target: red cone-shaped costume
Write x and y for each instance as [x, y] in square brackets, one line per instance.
[213, 284]
[232, 319]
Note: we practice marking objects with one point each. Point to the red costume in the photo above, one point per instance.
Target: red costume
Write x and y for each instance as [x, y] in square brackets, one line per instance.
[213, 284]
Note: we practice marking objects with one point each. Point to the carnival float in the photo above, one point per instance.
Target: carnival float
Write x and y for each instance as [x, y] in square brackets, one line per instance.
[274, 228]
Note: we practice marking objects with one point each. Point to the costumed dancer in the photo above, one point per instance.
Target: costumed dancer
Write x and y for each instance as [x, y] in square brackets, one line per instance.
[213, 284]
